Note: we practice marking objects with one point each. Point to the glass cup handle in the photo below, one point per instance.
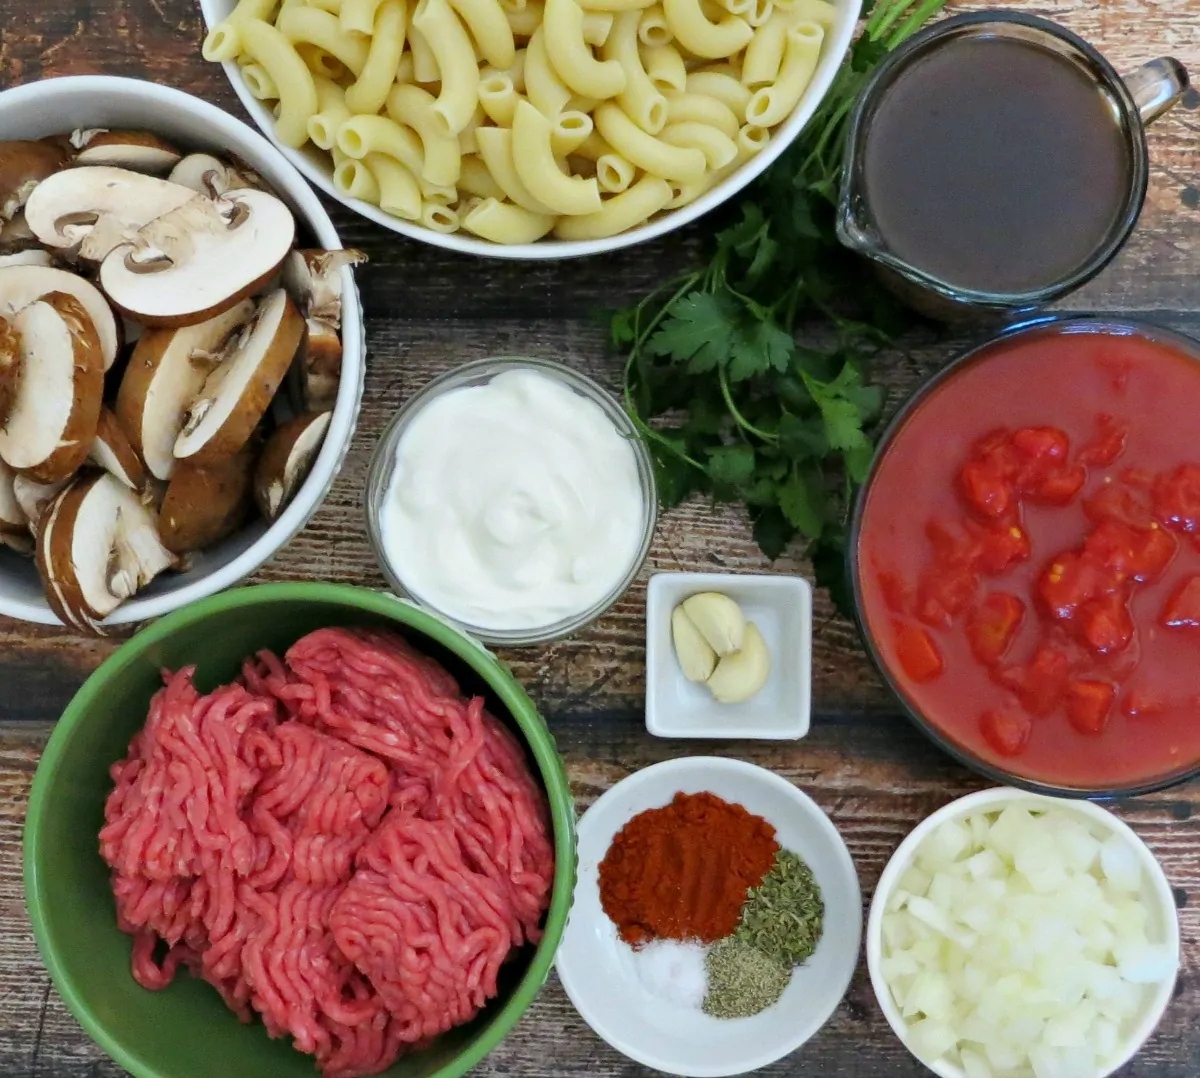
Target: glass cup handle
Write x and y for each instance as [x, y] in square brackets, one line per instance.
[1156, 86]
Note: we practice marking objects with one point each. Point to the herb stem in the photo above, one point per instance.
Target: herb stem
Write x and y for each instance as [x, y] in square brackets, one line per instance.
[741, 420]
[926, 10]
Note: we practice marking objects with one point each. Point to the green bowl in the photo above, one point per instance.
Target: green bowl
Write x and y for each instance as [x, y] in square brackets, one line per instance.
[186, 1031]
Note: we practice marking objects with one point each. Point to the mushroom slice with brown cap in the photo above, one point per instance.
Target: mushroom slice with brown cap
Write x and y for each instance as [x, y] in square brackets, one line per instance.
[139, 151]
[286, 461]
[112, 452]
[14, 527]
[99, 207]
[23, 165]
[223, 416]
[96, 547]
[21, 285]
[209, 175]
[166, 373]
[33, 497]
[313, 279]
[197, 261]
[206, 503]
[53, 420]
[10, 368]
[317, 370]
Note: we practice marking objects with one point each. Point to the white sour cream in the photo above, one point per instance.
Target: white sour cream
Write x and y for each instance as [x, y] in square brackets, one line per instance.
[513, 504]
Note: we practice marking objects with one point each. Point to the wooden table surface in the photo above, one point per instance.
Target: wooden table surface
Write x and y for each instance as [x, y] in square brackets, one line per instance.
[428, 310]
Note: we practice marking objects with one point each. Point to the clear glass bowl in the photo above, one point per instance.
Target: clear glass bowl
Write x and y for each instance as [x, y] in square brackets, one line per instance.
[480, 372]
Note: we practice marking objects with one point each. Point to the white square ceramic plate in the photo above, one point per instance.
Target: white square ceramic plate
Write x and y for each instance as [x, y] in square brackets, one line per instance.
[781, 607]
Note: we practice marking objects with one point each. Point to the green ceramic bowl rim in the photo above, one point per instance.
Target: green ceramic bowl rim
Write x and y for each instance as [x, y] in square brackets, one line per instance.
[536, 734]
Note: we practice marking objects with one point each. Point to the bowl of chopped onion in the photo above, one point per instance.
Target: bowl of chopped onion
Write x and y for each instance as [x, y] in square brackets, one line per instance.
[1017, 934]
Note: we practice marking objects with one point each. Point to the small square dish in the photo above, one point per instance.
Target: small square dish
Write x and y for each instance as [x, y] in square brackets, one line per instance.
[781, 608]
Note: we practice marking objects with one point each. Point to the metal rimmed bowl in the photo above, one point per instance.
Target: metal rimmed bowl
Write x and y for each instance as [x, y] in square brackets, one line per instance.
[912, 707]
[480, 372]
[186, 1031]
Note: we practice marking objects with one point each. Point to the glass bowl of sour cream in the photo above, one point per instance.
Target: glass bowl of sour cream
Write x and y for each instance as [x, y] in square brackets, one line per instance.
[514, 498]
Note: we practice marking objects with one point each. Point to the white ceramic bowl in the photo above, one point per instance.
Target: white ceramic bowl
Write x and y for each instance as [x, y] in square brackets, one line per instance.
[597, 969]
[56, 105]
[315, 164]
[781, 607]
[1156, 896]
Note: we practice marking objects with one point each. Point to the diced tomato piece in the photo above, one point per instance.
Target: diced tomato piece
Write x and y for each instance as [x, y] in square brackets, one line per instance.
[1058, 487]
[1131, 553]
[993, 625]
[1069, 581]
[917, 652]
[951, 545]
[1088, 704]
[1177, 498]
[944, 593]
[1153, 551]
[1039, 685]
[1108, 444]
[996, 449]
[896, 593]
[986, 492]
[1105, 623]
[1183, 608]
[1006, 732]
[1140, 704]
[1142, 478]
[1042, 443]
[998, 548]
[1119, 504]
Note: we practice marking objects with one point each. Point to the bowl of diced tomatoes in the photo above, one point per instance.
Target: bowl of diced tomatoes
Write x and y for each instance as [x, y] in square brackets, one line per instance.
[1025, 557]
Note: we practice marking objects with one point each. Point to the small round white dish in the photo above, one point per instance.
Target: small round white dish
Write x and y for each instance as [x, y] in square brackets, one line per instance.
[1156, 896]
[317, 168]
[597, 969]
[64, 104]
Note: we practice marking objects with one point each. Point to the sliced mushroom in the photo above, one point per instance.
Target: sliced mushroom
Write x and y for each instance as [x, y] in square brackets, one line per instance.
[21, 285]
[96, 547]
[99, 207]
[206, 503]
[166, 372]
[10, 368]
[314, 280]
[53, 420]
[16, 235]
[23, 165]
[14, 527]
[32, 256]
[286, 461]
[33, 497]
[237, 393]
[140, 151]
[208, 175]
[317, 370]
[112, 452]
[201, 259]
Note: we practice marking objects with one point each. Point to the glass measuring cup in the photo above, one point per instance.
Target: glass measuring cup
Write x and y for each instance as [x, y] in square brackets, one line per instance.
[1134, 102]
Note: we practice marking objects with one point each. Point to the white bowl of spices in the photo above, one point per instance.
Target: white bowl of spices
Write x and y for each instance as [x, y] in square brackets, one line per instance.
[716, 919]
[514, 498]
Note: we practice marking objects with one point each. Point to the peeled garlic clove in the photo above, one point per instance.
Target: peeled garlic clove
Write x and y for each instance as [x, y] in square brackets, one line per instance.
[740, 675]
[691, 649]
[719, 620]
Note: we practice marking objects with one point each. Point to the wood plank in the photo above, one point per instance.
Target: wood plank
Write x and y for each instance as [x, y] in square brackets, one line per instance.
[876, 778]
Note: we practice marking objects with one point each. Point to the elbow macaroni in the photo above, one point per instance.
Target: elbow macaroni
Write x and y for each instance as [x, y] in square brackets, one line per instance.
[515, 120]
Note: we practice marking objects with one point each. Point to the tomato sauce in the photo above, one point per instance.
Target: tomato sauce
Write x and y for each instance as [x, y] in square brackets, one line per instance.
[1029, 558]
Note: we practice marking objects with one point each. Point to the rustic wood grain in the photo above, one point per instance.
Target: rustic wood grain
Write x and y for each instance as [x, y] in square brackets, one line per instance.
[428, 310]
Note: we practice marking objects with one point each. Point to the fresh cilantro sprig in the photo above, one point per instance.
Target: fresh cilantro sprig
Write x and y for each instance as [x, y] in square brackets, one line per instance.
[730, 401]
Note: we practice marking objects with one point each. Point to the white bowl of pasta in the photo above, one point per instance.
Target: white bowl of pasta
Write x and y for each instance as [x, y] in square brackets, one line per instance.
[531, 129]
[190, 125]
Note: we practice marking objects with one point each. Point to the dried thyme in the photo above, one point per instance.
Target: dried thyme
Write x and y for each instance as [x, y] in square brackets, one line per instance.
[784, 915]
[741, 980]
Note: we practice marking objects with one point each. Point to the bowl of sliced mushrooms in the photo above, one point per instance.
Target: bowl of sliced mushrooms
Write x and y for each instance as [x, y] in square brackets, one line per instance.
[181, 351]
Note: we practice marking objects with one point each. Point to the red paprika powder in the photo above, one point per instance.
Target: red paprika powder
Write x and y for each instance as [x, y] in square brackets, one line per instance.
[682, 871]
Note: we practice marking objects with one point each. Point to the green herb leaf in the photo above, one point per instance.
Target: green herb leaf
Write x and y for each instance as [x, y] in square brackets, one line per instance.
[698, 329]
[731, 464]
[772, 532]
[802, 505]
[758, 348]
